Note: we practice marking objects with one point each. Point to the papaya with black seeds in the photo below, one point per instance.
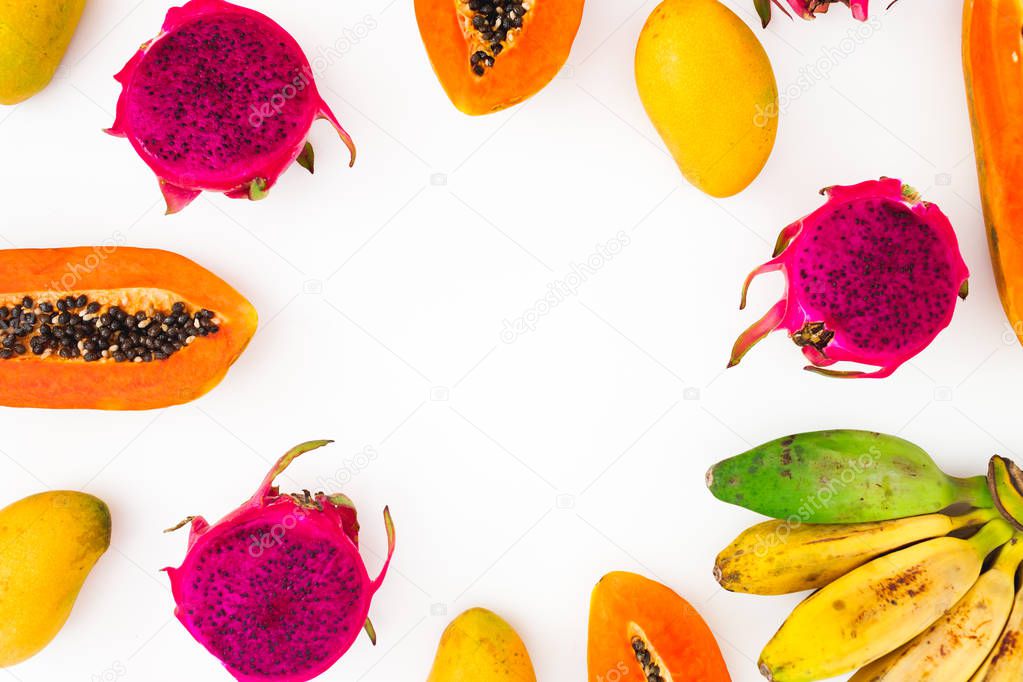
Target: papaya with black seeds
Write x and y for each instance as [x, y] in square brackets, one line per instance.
[492, 54]
[114, 328]
[642, 631]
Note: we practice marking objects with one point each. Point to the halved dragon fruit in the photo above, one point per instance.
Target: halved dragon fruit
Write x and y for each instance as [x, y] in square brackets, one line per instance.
[807, 9]
[277, 590]
[222, 100]
[873, 276]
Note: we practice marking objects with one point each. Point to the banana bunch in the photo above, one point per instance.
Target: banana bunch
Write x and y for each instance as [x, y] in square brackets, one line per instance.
[915, 572]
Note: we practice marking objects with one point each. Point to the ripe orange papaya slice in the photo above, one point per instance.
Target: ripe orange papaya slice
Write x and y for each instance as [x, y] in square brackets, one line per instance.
[994, 87]
[641, 631]
[492, 54]
[114, 328]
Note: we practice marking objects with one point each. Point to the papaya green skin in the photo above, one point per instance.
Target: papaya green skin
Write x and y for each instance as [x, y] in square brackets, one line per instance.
[841, 476]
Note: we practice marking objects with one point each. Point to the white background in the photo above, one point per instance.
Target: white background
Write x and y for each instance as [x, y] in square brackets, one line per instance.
[518, 473]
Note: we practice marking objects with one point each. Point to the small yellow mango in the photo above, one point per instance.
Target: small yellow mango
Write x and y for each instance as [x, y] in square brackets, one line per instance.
[34, 35]
[479, 646]
[48, 544]
[709, 89]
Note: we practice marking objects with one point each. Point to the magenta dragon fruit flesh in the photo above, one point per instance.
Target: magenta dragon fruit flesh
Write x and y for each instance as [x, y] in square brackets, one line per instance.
[808, 9]
[277, 589]
[872, 278]
[222, 100]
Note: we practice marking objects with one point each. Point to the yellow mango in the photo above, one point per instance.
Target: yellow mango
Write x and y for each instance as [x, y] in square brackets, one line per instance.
[479, 646]
[709, 89]
[34, 35]
[48, 544]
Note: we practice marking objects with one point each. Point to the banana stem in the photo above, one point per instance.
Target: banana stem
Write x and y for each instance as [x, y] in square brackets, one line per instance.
[1010, 557]
[974, 490]
[974, 518]
[994, 534]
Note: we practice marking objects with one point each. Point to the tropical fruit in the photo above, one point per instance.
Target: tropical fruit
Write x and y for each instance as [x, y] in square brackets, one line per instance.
[841, 476]
[877, 607]
[492, 54]
[902, 592]
[873, 277]
[808, 9]
[994, 87]
[48, 545]
[709, 89]
[642, 631]
[277, 590]
[479, 646]
[781, 557]
[115, 328]
[1005, 480]
[958, 642]
[33, 39]
[221, 100]
[1004, 663]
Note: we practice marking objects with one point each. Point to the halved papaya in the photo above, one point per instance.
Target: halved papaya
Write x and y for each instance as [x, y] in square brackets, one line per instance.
[114, 328]
[641, 631]
[491, 54]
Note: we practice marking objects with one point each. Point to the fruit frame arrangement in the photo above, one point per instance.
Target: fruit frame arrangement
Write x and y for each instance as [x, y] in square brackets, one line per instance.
[909, 573]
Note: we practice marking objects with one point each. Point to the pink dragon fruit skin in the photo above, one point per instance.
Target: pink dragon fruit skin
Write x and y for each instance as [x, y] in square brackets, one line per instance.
[222, 100]
[808, 9]
[872, 278]
[276, 589]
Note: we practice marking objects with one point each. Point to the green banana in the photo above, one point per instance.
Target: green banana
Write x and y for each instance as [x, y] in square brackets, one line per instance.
[841, 476]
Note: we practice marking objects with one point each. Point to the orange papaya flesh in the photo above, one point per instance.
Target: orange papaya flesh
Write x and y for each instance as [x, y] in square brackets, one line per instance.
[114, 328]
[640, 630]
[492, 54]
[992, 54]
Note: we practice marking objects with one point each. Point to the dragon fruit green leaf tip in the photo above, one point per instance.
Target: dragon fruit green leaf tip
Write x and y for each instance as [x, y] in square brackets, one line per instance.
[808, 9]
[277, 589]
[872, 278]
[221, 100]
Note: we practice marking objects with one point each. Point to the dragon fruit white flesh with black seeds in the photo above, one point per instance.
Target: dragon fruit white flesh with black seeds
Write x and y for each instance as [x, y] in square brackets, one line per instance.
[277, 590]
[872, 278]
[222, 100]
